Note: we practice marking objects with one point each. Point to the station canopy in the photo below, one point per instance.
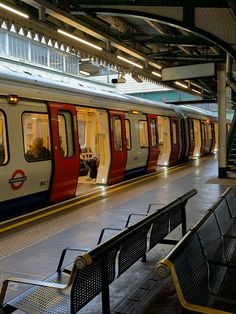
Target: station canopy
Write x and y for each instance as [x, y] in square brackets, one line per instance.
[178, 43]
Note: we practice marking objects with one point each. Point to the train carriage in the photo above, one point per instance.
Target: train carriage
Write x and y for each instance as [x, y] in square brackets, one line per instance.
[117, 136]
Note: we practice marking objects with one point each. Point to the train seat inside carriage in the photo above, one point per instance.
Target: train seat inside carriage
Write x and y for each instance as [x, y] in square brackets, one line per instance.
[38, 151]
[88, 163]
[87, 153]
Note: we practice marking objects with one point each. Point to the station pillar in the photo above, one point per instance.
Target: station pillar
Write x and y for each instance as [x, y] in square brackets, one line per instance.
[221, 99]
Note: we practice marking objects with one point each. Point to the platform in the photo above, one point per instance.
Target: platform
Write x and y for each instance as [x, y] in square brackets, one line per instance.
[34, 250]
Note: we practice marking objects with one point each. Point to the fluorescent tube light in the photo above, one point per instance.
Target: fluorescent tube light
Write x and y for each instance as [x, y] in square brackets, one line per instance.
[182, 85]
[6, 7]
[79, 39]
[131, 62]
[155, 65]
[157, 74]
[84, 72]
[196, 91]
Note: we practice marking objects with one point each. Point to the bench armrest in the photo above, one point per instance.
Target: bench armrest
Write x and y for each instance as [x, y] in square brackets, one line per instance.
[156, 204]
[133, 214]
[63, 254]
[28, 282]
[103, 231]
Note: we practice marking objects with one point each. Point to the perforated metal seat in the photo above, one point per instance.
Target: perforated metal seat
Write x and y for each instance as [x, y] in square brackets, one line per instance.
[45, 300]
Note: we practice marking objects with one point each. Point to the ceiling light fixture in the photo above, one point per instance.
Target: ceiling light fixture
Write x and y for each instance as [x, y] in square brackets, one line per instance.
[155, 65]
[182, 85]
[6, 7]
[196, 91]
[84, 72]
[79, 39]
[157, 74]
[131, 62]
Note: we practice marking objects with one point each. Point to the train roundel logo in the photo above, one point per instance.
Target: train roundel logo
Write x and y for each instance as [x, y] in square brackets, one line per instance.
[17, 179]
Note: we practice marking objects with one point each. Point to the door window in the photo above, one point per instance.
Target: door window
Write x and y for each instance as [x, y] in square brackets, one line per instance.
[153, 132]
[117, 134]
[66, 134]
[128, 133]
[143, 134]
[208, 131]
[174, 132]
[3, 140]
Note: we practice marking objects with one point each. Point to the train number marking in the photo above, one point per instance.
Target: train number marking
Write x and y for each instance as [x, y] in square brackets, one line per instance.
[17, 179]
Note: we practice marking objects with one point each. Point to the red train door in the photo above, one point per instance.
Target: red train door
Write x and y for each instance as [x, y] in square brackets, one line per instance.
[118, 147]
[153, 146]
[175, 143]
[191, 138]
[65, 148]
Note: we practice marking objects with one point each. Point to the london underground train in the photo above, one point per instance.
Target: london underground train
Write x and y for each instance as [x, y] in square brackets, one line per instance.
[48, 128]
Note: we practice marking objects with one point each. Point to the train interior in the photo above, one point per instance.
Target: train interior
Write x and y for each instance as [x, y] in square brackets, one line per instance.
[93, 133]
[197, 138]
[164, 140]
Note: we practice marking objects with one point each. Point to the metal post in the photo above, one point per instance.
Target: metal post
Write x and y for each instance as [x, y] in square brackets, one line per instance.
[222, 165]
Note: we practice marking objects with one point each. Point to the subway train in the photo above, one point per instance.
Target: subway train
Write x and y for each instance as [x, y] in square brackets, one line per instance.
[49, 130]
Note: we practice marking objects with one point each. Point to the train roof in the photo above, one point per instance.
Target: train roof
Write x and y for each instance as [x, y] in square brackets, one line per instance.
[67, 90]
[193, 112]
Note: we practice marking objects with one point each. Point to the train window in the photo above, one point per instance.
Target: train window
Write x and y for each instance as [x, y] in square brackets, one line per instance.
[153, 132]
[128, 134]
[174, 132]
[143, 134]
[3, 140]
[117, 133]
[66, 134]
[37, 145]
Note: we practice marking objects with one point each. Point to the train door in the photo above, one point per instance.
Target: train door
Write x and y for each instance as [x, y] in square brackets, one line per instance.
[118, 147]
[209, 138]
[197, 137]
[153, 143]
[191, 138]
[213, 141]
[182, 139]
[175, 142]
[164, 140]
[215, 136]
[136, 130]
[94, 142]
[65, 149]
[203, 138]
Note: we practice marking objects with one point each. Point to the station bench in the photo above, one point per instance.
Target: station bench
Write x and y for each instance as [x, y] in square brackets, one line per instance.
[203, 264]
[71, 288]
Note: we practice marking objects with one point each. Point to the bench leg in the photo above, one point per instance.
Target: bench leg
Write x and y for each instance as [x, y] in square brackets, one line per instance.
[105, 288]
[144, 258]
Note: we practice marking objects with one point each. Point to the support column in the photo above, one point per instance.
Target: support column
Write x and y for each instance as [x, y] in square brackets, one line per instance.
[221, 97]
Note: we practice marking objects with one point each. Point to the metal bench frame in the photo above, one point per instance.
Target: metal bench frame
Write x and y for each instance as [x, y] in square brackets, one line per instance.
[95, 269]
[203, 264]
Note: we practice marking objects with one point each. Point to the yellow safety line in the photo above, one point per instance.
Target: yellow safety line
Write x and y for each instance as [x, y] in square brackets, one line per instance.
[87, 199]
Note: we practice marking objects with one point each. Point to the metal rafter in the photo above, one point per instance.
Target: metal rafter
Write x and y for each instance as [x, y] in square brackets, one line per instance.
[114, 24]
